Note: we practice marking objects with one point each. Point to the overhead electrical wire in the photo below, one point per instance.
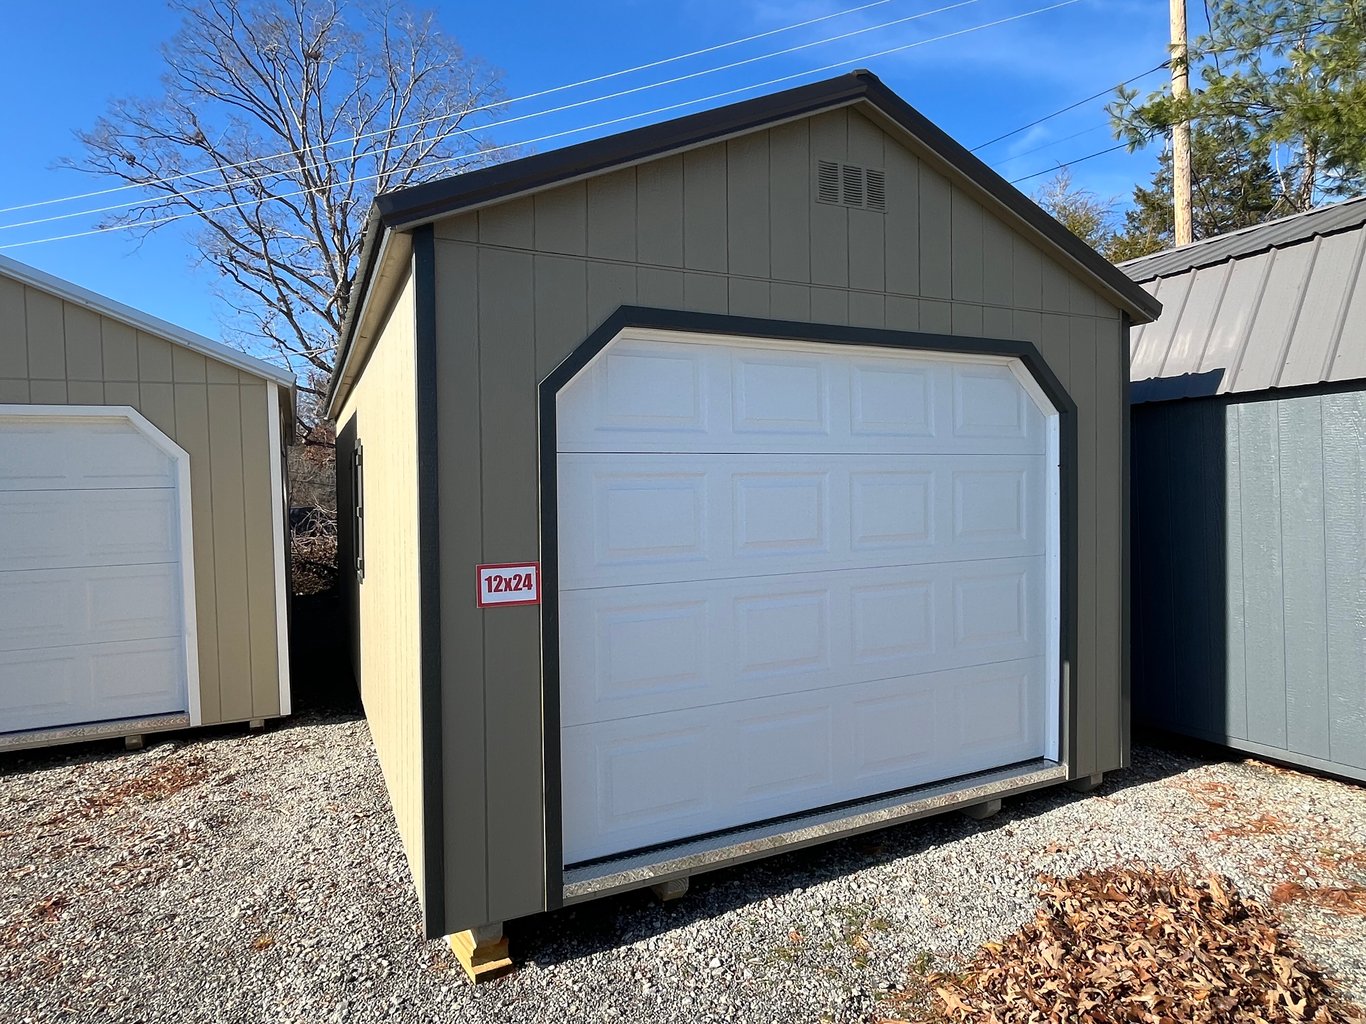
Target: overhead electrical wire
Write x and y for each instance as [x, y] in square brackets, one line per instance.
[475, 110]
[248, 178]
[571, 131]
[1068, 163]
[1063, 110]
[1050, 144]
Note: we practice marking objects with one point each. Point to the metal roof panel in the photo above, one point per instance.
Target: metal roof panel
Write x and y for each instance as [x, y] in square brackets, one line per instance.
[1275, 306]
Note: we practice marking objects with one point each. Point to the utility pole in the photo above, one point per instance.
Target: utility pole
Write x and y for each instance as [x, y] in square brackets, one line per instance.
[1181, 131]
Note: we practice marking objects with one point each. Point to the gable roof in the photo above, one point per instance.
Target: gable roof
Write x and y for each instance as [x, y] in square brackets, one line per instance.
[1276, 305]
[408, 208]
[114, 310]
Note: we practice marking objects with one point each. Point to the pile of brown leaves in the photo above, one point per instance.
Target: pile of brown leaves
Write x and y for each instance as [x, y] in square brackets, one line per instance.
[1128, 944]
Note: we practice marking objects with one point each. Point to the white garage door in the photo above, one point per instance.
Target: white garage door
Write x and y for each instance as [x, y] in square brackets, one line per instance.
[92, 588]
[793, 575]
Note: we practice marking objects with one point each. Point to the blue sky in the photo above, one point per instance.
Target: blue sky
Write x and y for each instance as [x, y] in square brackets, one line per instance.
[61, 63]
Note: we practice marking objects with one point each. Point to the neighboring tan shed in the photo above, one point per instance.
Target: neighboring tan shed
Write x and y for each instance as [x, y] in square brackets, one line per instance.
[143, 552]
[1249, 491]
[806, 431]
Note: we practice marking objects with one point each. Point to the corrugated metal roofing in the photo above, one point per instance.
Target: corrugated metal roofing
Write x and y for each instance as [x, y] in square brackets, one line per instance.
[1274, 306]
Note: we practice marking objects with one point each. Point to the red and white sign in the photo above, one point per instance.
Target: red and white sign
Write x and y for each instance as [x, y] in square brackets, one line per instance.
[510, 583]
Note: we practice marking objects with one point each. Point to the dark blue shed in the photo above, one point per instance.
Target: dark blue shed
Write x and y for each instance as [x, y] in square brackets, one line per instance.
[1248, 491]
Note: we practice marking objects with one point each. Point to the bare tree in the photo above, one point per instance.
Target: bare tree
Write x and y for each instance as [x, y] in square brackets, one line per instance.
[278, 123]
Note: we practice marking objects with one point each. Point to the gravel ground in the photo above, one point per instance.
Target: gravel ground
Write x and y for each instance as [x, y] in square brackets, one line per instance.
[260, 878]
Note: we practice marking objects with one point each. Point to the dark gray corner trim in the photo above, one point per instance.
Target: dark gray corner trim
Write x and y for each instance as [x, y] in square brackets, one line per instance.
[1126, 544]
[429, 597]
[404, 208]
[650, 318]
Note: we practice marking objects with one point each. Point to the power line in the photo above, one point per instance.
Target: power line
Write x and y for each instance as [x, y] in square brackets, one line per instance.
[1063, 110]
[1049, 145]
[476, 110]
[1068, 163]
[248, 178]
[154, 222]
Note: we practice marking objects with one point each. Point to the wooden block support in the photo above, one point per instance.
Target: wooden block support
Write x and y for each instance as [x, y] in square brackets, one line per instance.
[256, 724]
[670, 890]
[983, 810]
[482, 951]
[134, 742]
[1087, 783]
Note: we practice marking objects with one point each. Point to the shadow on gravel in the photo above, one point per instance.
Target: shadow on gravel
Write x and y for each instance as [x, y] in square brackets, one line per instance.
[608, 923]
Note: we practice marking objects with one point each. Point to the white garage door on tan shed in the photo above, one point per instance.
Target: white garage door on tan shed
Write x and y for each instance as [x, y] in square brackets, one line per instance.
[96, 591]
[793, 575]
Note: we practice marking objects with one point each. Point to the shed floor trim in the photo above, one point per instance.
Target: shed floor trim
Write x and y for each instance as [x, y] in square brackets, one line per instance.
[92, 731]
[679, 860]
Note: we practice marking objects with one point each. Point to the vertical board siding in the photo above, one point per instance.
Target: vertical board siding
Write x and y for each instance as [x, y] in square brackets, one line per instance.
[789, 201]
[728, 228]
[259, 517]
[510, 499]
[229, 539]
[1264, 604]
[383, 405]
[1305, 586]
[1344, 465]
[460, 499]
[57, 352]
[1250, 622]
[829, 240]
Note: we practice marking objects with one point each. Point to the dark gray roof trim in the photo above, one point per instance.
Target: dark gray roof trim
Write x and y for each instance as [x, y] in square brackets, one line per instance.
[406, 208]
[1299, 227]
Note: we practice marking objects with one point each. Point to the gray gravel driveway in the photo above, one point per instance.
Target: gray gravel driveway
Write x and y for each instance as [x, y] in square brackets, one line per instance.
[228, 877]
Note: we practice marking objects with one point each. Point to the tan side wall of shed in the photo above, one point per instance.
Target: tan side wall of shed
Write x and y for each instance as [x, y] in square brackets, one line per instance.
[54, 352]
[384, 405]
[731, 227]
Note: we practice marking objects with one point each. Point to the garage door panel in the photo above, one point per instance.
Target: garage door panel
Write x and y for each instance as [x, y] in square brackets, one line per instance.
[989, 403]
[707, 396]
[41, 689]
[62, 529]
[891, 401]
[93, 623]
[780, 514]
[691, 517]
[90, 454]
[786, 754]
[891, 510]
[42, 608]
[644, 780]
[793, 575]
[781, 394]
[993, 715]
[650, 649]
[693, 773]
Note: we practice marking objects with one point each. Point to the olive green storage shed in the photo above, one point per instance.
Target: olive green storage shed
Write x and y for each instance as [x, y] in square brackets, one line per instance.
[143, 552]
[726, 486]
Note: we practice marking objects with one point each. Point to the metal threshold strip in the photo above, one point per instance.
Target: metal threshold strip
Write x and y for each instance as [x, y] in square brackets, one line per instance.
[92, 731]
[660, 864]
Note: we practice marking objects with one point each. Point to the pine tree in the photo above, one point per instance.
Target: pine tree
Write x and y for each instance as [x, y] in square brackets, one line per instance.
[1292, 75]
[1232, 187]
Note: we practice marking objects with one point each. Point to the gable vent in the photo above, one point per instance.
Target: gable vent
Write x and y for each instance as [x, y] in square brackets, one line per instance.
[859, 188]
[875, 191]
[828, 181]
